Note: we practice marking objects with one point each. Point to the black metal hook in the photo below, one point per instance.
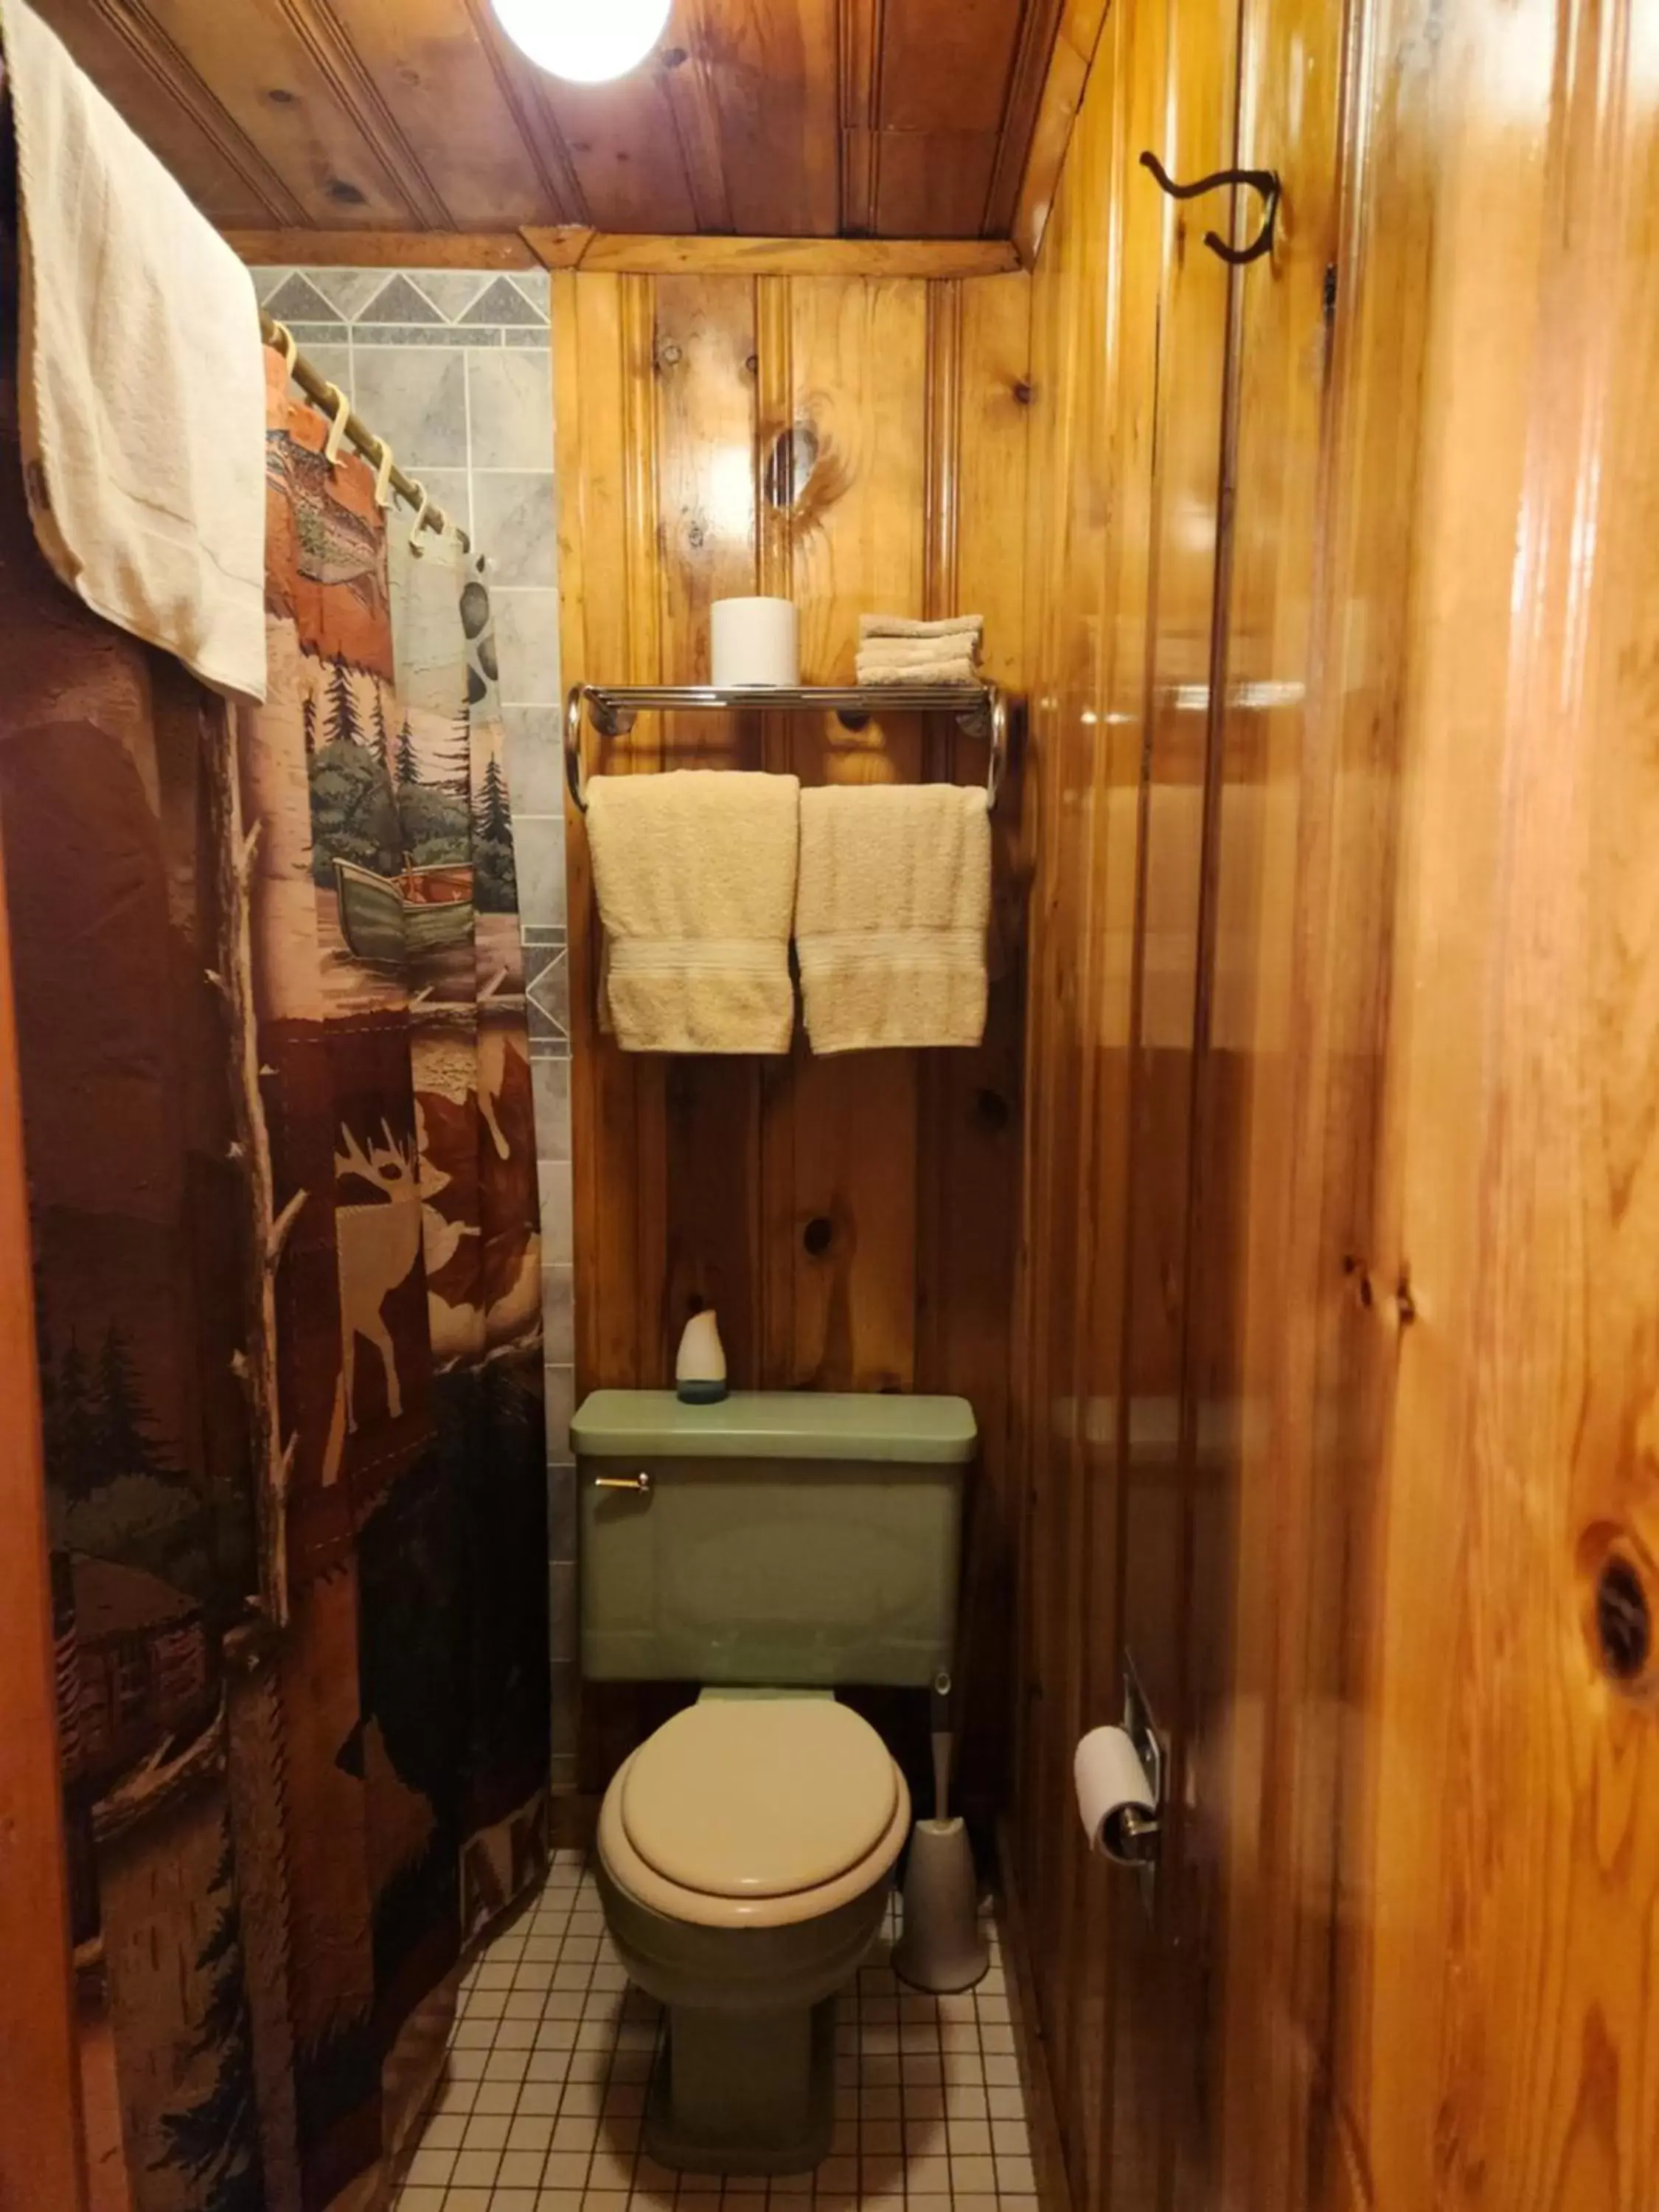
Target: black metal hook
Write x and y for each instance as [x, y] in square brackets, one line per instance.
[1264, 181]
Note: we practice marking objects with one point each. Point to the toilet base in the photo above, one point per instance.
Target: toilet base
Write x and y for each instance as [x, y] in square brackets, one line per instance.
[743, 2092]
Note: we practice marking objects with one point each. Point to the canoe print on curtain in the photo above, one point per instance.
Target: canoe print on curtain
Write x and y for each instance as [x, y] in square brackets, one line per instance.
[281, 1836]
[395, 1088]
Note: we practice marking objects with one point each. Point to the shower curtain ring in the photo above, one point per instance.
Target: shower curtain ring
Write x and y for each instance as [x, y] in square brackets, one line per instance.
[414, 546]
[336, 428]
[287, 345]
[383, 474]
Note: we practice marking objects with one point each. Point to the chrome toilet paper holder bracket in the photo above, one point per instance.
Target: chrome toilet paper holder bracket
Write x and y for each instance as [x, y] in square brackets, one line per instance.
[1132, 1836]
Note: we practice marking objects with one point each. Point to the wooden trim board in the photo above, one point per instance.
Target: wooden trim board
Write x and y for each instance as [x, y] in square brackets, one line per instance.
[616, 254]
[622, 255]
[1041, 2118]
[382, 249]
[40, 2158]
[1065, 80]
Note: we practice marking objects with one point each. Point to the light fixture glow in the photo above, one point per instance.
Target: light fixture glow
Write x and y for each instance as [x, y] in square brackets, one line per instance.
[587, 40]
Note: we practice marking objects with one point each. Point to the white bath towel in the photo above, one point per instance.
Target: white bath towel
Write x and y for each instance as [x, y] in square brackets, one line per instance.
[141, 378]
[891, 915]
[695, 876]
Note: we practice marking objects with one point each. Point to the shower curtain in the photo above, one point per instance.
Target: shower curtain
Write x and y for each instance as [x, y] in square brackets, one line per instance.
[279, 1137]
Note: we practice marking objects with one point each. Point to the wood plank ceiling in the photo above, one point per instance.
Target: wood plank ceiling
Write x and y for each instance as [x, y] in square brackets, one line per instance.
[897, 118]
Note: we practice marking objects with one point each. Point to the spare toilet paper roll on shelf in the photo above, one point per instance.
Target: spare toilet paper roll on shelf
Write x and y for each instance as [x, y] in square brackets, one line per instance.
[1115, 1797]
[755, 642]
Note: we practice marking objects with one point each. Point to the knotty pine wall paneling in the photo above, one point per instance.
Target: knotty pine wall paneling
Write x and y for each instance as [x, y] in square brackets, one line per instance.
[857, 445]
[1458, 1848]
[1370, 1466]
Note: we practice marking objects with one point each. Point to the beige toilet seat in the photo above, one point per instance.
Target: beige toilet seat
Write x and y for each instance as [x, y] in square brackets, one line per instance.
[755, 1813]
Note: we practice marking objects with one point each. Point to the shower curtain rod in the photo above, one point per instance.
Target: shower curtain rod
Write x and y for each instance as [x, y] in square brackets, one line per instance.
[331, 399]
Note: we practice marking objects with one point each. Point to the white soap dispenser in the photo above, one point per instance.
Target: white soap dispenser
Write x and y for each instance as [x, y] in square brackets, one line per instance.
[700, 1369]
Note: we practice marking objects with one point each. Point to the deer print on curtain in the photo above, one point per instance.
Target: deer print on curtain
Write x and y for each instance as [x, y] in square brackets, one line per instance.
[394, 1083]
[303, 1688]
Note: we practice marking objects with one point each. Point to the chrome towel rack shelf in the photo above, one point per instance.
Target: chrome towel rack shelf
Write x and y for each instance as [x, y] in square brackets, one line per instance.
[981, 709]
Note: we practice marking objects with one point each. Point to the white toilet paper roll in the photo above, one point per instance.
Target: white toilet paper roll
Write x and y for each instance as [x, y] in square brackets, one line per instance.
[755, 641]
[1109, 1776]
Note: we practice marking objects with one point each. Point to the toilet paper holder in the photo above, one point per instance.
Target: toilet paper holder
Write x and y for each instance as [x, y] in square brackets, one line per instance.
[1133, 1835]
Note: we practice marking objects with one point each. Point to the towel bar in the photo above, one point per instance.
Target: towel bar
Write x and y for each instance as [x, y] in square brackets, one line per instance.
[981, 709]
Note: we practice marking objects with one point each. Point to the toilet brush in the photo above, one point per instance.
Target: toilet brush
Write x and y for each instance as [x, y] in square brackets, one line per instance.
[941, 1948]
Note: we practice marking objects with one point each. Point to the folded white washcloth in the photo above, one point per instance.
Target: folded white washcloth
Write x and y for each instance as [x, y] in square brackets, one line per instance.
[959, 669]
[901, 626]
[891, 915]
[694, 871]
[142, 384]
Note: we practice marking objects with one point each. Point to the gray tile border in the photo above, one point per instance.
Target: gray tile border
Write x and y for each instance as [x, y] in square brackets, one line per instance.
[422, 334]
[297, 300]
[399, 300]
[503, 303]
[452, 291]
[549, 990]
[348, 289]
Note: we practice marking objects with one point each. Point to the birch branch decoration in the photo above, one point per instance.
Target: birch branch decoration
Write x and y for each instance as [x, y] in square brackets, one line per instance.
[265, 1228]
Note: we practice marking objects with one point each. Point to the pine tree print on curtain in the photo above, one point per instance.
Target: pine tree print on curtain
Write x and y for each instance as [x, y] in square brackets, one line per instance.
[408, 1710]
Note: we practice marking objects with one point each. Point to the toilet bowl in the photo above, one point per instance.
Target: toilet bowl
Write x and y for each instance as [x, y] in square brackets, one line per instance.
[745, 1854]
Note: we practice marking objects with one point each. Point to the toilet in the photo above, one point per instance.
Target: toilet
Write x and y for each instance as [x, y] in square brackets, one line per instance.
[771, 1549]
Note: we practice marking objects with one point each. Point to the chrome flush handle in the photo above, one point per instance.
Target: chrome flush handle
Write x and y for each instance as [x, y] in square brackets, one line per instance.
[640, 1483]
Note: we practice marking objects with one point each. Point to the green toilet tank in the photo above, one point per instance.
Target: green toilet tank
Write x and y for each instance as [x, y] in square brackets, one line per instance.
[786, 1539]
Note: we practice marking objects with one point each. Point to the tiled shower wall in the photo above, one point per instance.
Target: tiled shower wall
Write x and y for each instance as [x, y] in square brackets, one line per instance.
[454, 369]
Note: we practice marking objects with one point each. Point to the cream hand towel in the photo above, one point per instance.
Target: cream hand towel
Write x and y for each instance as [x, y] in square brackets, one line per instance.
[141, 378]
[695, 876]
[954, 626]
[891, 920]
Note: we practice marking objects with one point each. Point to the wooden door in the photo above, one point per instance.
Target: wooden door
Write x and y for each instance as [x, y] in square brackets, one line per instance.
[1443, 1934]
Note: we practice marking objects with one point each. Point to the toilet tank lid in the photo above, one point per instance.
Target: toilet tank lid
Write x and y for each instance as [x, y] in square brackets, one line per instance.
[820, 1424]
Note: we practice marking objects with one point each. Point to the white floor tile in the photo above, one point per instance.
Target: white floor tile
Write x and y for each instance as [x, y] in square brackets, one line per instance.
[552, 2052]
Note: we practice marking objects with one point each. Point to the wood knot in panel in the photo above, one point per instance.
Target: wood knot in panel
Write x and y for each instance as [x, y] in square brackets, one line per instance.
[1617, 1583]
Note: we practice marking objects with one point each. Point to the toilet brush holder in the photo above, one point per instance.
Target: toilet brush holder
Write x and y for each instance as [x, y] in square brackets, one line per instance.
[941, 1948]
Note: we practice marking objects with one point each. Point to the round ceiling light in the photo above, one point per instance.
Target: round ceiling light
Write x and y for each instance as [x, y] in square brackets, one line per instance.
[587, 40]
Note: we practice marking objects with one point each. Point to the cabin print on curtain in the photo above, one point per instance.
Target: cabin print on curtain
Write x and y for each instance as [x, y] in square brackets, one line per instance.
[281, 1835]
[395, 1091]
